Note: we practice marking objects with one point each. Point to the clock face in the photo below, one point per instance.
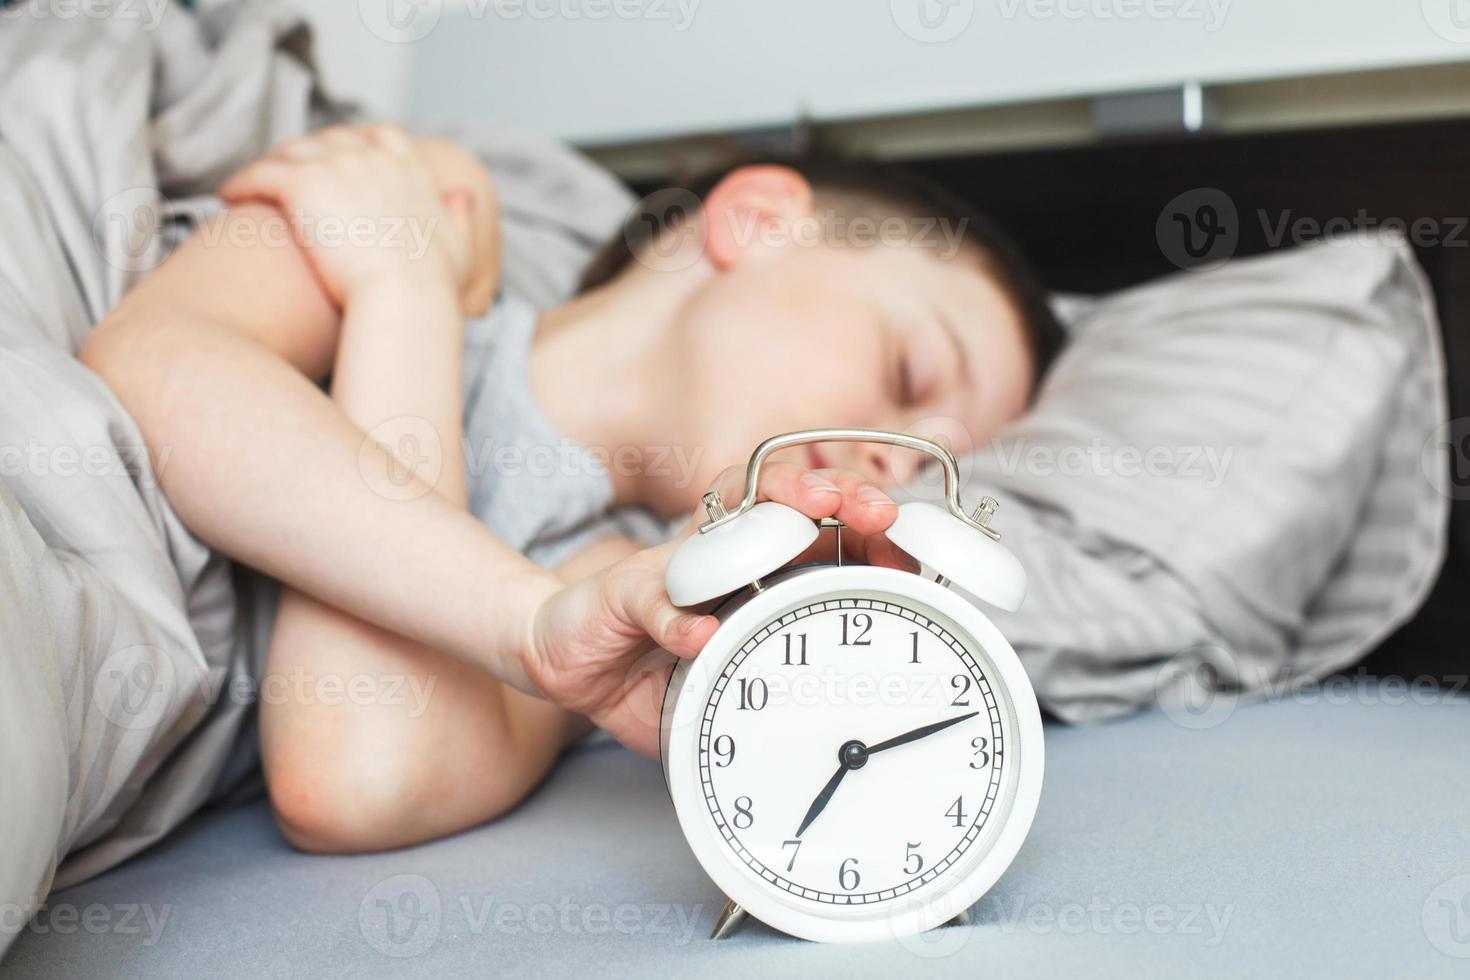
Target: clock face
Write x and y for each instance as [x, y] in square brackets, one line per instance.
[853, 751]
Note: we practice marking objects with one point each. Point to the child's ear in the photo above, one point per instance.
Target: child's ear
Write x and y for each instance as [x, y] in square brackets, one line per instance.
[753, 210]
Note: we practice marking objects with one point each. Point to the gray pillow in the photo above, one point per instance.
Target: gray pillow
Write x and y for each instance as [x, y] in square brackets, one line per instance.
[1220, 488]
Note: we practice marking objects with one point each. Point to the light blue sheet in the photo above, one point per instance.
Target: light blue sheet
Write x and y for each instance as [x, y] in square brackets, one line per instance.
[1289, 839]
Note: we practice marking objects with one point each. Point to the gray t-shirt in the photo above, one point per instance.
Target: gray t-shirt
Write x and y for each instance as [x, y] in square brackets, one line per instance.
[540, 492]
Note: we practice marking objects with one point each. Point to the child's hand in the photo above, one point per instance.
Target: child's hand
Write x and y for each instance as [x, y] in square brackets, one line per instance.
[595, 645]
[365, 208]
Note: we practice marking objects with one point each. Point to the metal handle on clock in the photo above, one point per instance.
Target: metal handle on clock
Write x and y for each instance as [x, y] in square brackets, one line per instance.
[719, 517]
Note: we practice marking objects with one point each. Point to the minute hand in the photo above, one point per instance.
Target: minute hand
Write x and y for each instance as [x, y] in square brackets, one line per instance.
[919, 733]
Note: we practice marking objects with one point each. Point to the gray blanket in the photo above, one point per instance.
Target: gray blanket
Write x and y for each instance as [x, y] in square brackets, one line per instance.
[126, 648]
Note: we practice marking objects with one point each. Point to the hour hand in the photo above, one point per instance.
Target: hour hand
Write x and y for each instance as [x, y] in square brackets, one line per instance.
[820, 803]
[852, 755]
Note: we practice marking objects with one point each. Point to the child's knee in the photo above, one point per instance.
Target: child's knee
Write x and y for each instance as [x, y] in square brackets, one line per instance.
[376, 796]
[335, 801]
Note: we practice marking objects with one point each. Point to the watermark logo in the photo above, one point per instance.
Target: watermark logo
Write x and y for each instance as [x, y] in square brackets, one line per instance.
[1209, 14]
[1445, 459]
[663, 231]
[1446, 917]
[1450, 19]
[401, 458]
[1192, 689]
[646, 688]
[666, 232]
[128, 229]
[401, 916]
[919, 476]
[1201, 686]
[923, 928]
[136, 229]
[1199, 229]
[932, 21]
[400, 21]
[135, 686]
[405, 915]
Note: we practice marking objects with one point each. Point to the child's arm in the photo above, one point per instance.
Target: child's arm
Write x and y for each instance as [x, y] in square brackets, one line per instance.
[387, 767]
[214, 354]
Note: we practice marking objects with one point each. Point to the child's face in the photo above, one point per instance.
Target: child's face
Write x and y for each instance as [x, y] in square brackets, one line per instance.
[899, 337]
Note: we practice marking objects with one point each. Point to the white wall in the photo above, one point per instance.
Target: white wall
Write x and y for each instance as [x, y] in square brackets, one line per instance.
[356, 62]
[610, 70]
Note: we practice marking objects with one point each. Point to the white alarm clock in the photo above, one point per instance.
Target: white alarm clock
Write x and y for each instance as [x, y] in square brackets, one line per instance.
[857, 753]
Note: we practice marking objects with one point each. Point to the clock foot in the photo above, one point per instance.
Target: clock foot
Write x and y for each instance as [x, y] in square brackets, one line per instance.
[728, 920]
[962, 919]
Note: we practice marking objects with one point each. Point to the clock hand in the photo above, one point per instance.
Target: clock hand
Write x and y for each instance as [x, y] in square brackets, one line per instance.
[852, 755]
[919, 733]
[820, 803]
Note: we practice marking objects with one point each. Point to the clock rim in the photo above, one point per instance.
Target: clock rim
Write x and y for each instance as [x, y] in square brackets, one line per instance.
[680, 755]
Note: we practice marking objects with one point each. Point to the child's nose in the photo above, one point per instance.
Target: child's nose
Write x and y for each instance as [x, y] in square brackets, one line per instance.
[889, 466]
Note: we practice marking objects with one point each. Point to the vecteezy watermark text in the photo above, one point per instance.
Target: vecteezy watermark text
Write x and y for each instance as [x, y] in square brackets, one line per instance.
[141, 687]
[407, 21]
[64, 918]
[401, 459]
[1102, 916]
[1207, 465]
[1200, 687]
[1201, 228]
[664, 231]
[38, 458]
[405, 915]
[147, 13]
[131, 230]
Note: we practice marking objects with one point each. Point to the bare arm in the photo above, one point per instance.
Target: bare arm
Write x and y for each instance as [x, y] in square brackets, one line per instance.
[214, 356]
[388, 772]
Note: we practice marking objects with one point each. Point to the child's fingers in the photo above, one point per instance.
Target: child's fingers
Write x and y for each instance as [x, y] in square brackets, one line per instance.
[638, 592]
[811, 493]
[865, 508]
[269, 180]
[817, 493]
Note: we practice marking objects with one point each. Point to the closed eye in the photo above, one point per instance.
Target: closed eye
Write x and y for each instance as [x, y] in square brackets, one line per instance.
[906, 394]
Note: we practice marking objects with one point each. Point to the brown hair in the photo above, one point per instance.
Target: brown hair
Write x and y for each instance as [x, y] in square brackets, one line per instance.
[893, 189]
